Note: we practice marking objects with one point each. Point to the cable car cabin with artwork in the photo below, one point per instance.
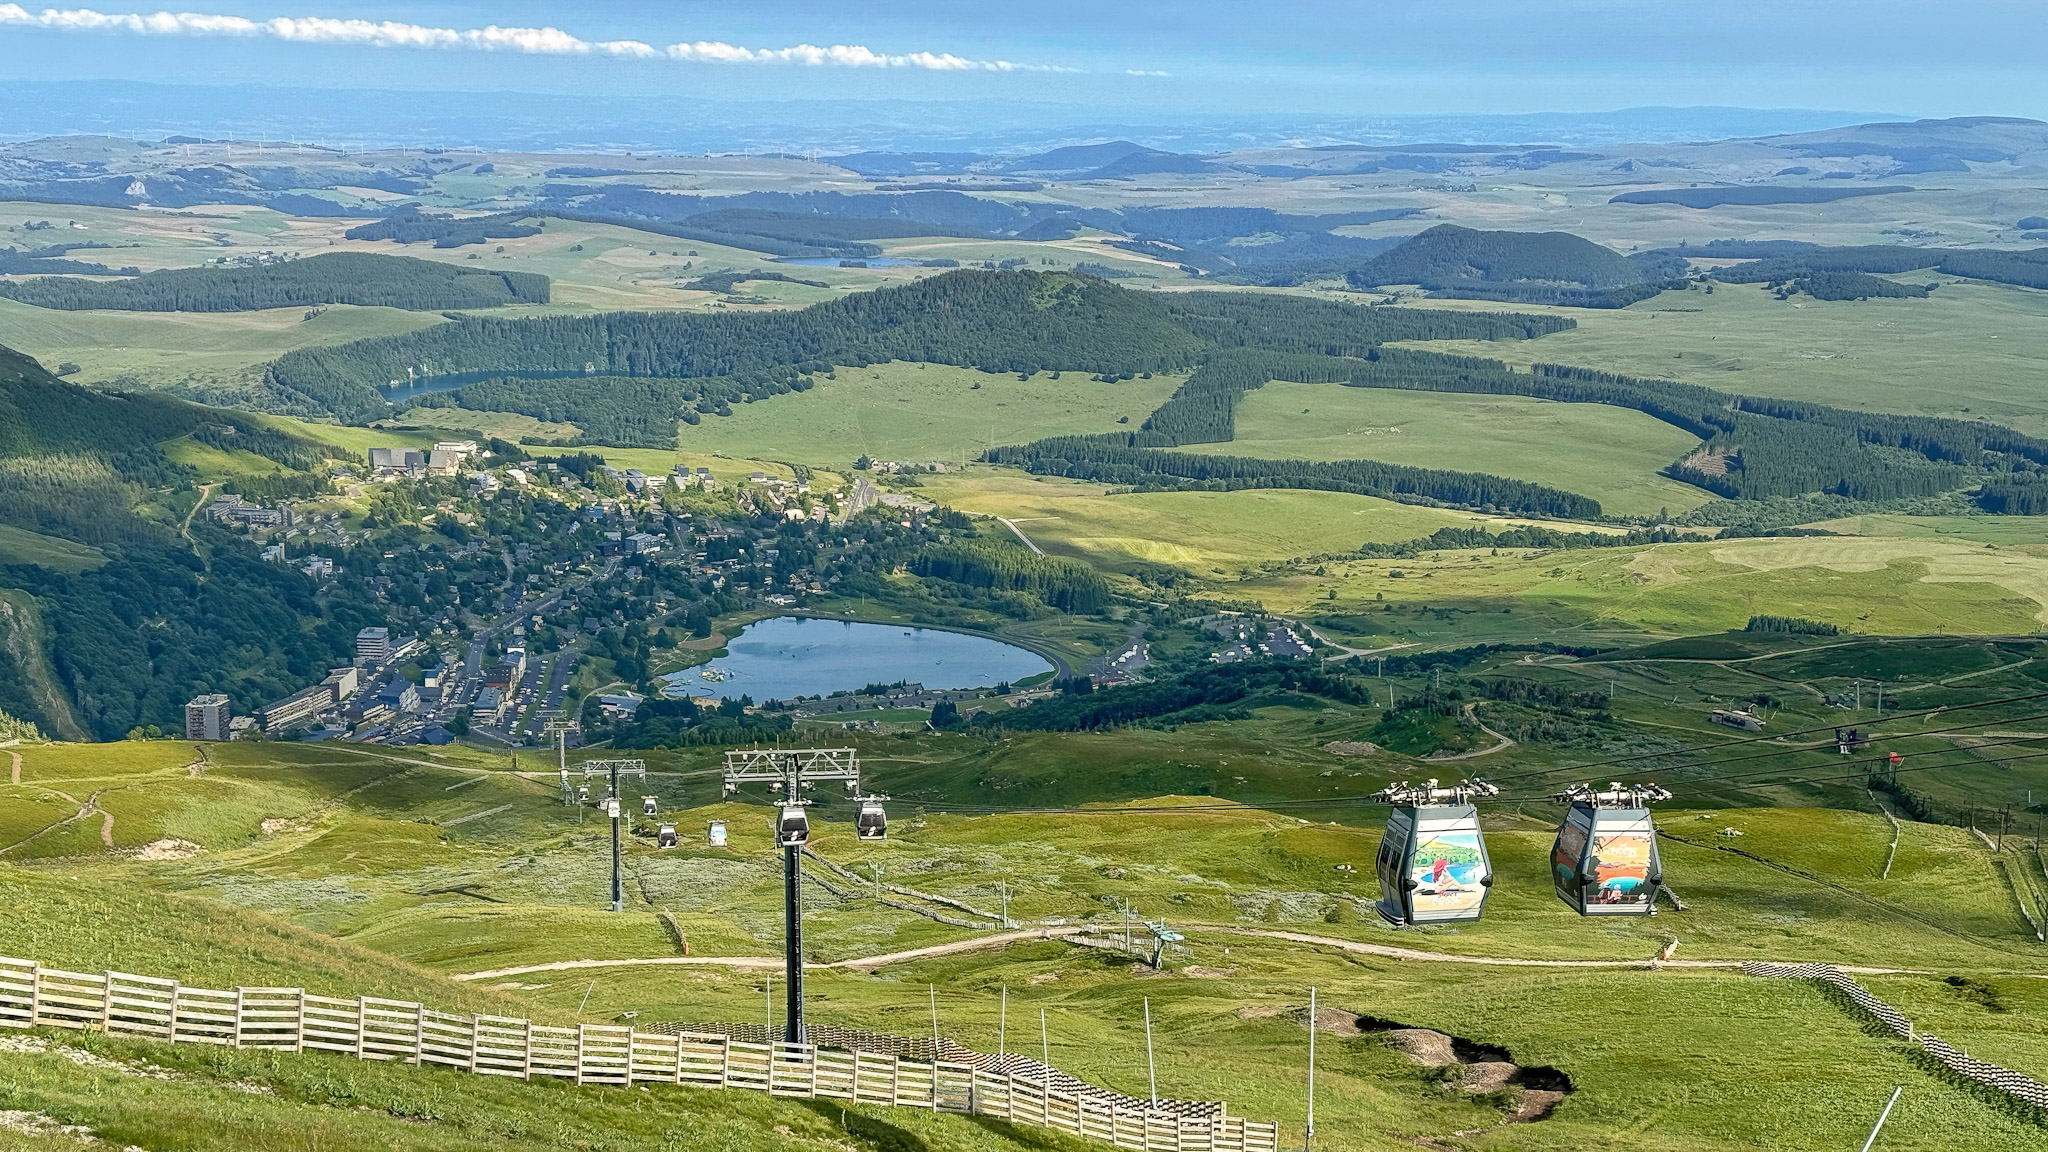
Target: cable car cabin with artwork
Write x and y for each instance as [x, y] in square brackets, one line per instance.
[1605, 860]
[1432, 864]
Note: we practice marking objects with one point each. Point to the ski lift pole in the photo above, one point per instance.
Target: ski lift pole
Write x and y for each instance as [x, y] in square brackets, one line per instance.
[793, 942]
[1309, 1135]
[1881, 1118]
[1151, 1068]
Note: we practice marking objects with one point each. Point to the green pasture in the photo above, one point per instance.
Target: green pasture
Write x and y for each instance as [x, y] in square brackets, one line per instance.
[923, 412]
[1611, 454]
[215, 355]
[1891, 585]
[1210, 534]
[1970, 350]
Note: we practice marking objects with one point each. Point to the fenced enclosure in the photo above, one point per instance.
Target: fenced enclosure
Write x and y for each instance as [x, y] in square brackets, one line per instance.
[397, 1031]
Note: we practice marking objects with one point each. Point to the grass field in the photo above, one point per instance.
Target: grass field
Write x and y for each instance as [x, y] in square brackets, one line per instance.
[1969, 350]
[1610, 454]
[1897, 586]
[219, 355]
[901, 411]
[1212, 534]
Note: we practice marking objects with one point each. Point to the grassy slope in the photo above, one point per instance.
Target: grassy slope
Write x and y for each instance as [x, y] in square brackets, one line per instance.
[21, 546]
[359, 854]
[1969, 350]
[901, 411]
[1610, 454]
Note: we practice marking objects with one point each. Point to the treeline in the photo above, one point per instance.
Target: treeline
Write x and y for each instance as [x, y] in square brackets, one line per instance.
[1110, 460]
[49, 261]
[627, 411]
[1855, 286]
[1791, 626]
[1448, 539]
[2027, 268]
[1021, 321]
[410, 225]
[1068, 585]
[664, 723]
[1213, 693]
[330, 278]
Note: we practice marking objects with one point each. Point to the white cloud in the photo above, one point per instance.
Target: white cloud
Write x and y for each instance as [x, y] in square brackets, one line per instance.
[532, 41]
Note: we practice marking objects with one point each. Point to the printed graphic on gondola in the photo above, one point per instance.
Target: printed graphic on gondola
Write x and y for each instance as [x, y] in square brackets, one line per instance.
[1448, 868]
[1621, 868]
[1564, 859]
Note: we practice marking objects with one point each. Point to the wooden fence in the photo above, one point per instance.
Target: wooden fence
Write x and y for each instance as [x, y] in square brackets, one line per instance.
[370, 1028]
[2020, 1087]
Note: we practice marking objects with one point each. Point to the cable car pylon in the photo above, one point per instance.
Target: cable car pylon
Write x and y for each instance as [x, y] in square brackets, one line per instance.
[1432, 864]
[1605, 860]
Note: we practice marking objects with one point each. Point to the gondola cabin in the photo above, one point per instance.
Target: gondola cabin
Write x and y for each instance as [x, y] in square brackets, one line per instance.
[872, 823]
[718, 833]
[648, 805]
[792, 827]
[666, 838]
[1433, 866]
[1605, 860]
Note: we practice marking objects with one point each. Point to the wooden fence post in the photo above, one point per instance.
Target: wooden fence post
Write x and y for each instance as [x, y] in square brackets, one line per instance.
[579, 1052]
[474, 1041]
[174, 1012]
[679, 1058]
[526, 1051]
[35, 991]
[240, 997]
[362, 1019]
[419, 1033]
[299, 1030]
[107, 1002]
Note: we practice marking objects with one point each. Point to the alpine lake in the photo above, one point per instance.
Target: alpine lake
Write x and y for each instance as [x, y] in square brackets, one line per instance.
[784, 657]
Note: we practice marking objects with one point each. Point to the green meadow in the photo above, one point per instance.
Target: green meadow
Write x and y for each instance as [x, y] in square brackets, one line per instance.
[1611, 454]
[923, 412]
[1970, 350]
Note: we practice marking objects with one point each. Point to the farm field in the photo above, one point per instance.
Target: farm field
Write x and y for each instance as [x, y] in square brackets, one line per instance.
[1968, 351]
[923, 412]
[1611, 454]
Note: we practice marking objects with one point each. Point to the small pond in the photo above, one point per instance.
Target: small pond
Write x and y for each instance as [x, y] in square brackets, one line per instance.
[789, 656]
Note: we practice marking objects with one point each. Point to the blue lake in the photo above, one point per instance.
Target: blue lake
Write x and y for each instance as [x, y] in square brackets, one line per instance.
[789, 656]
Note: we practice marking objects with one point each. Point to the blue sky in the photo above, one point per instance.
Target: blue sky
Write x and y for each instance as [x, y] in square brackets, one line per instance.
[1361, 57]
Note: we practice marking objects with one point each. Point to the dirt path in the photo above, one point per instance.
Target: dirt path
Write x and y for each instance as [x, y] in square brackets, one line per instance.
[1503, 742]
[1003, 939]
[16, 756]
[107, 829]
[185, 529]
[90, 806]
[863, 964]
